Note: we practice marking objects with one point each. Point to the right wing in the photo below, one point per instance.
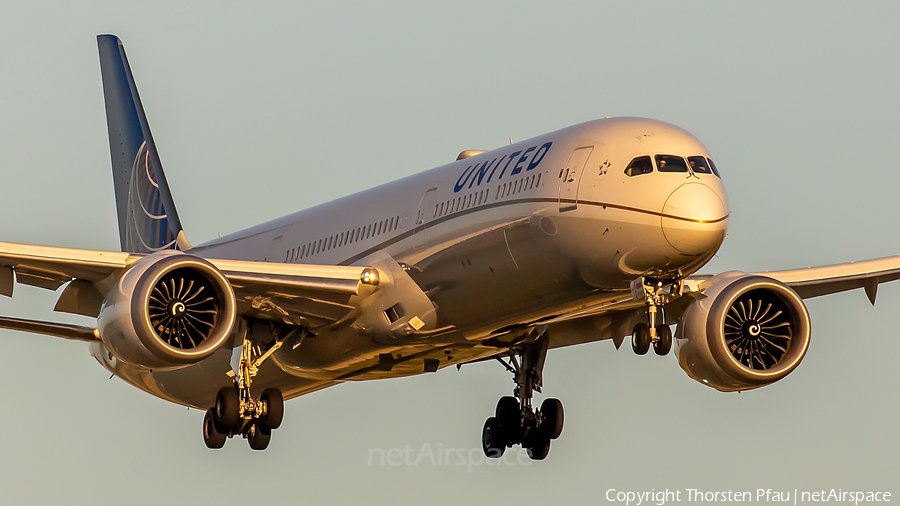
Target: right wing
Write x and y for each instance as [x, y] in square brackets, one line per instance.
[312, 296]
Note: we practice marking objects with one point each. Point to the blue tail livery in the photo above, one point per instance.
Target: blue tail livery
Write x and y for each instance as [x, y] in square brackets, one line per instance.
[148, 221]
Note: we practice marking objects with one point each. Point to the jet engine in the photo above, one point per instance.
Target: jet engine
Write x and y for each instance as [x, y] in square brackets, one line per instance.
[744, 332]
[167, 311]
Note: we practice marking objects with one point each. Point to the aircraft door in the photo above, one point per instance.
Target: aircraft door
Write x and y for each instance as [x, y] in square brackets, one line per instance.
[424, 215]
[570, 178]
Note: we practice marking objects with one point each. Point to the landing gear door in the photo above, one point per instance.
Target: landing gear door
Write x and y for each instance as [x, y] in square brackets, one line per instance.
[570, 177]
[424, 215]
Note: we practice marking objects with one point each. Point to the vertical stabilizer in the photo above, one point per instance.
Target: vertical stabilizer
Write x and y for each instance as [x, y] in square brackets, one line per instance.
[147, 218]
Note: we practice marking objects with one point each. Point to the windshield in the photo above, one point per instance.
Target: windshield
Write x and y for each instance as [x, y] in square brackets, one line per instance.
[670, 163]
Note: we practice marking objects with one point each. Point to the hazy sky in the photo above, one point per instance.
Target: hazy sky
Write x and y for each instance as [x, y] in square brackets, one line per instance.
[262, 108]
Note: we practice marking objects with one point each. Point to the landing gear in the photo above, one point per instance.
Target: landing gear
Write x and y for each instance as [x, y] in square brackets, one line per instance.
[515, 420]
[657, 293]
[236, 411]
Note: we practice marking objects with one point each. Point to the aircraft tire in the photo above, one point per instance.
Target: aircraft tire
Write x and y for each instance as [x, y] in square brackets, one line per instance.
[507, 413]
[259, 437]
[664, 343]
[640, 339]
[539, 449]
[274, 402]
[552, 413]
[228, 408]
[211, 435]
[492, 441]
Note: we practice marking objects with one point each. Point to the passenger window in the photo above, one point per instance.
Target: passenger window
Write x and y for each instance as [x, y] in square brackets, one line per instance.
[699, 165]
[638, 166]
[713, 167]
[670, 163]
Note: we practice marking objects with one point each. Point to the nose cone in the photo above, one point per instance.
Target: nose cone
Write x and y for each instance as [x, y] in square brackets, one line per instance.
[695, 219]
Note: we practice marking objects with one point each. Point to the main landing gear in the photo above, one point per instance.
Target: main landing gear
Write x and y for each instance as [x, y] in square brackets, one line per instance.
[515, 420]
[236, 411]
[657, 293]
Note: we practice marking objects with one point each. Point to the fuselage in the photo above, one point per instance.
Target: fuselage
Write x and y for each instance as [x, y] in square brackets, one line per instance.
[498, 240]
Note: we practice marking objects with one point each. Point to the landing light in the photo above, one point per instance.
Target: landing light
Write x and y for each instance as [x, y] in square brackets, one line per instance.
[370, 276]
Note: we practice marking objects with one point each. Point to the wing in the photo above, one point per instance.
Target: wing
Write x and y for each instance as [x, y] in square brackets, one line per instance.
[614, 318]
[298, 294]
[816, 281]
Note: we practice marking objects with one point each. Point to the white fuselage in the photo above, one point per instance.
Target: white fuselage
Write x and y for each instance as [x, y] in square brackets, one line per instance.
[497, 240]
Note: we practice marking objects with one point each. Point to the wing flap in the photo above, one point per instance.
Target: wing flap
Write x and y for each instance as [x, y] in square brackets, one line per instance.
[296, 294]
[329, 278]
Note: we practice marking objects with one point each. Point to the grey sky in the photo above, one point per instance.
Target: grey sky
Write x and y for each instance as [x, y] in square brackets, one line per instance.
[261, 109]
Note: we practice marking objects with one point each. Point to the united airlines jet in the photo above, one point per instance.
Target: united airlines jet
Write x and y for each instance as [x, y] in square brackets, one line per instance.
[588, 233]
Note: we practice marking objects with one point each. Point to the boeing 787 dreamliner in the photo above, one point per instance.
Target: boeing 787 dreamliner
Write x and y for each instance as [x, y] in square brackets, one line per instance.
[588, 233]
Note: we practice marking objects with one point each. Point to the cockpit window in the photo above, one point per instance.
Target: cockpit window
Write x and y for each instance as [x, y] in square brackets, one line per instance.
[670, 163]
[638, 166]
[713, 167]
[699, 165]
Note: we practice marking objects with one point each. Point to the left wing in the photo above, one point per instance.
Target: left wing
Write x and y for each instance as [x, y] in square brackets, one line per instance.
[613, 319]
[816, 281]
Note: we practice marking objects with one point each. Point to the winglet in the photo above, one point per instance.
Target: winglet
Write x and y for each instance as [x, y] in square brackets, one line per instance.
[148, 221]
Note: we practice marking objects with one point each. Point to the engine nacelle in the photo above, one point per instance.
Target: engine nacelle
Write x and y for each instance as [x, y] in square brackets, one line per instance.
[747, 332]
[169, 310]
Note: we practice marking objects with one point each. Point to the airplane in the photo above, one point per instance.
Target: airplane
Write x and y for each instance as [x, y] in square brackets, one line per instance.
[592, 232]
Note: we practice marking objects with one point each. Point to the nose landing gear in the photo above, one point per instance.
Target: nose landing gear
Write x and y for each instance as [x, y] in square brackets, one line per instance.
[515, 421]
[236, 411]
[657, 293]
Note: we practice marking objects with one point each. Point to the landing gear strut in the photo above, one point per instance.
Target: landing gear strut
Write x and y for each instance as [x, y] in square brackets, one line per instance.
[657, 293]
[236, 411]
[515, 421]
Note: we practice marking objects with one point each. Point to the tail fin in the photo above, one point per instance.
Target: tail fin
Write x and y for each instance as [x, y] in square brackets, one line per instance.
[148, 221]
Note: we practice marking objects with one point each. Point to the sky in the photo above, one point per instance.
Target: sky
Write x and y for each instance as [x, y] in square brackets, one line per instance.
[260, 109]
